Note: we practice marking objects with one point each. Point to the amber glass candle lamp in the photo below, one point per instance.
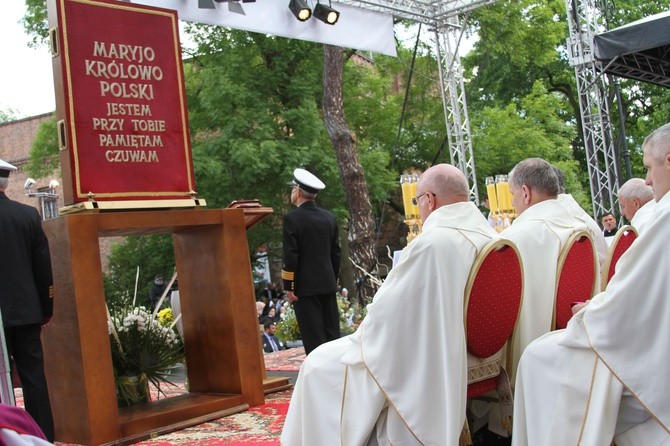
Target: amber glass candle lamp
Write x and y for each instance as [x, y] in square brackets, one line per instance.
[408, 186]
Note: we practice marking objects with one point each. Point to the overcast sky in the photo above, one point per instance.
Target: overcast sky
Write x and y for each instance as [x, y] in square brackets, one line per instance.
[26, 80]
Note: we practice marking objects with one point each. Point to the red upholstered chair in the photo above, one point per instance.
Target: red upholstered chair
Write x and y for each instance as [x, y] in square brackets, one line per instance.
[576, 276]
[492, 302]
[623, 238]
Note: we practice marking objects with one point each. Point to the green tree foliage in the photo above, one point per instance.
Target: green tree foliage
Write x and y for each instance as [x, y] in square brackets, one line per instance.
[253, 107]
[255, 110]
[522, 43]
[504, 136]
[152, 254]
[374, 106]
[36, 22]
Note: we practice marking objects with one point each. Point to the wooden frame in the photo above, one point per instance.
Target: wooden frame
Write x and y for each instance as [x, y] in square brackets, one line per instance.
[225, 368]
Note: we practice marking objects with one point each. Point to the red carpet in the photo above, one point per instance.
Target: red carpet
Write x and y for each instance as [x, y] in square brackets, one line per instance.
[259, 426]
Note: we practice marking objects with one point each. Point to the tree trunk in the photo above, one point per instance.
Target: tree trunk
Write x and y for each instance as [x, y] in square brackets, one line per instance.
[361, 226]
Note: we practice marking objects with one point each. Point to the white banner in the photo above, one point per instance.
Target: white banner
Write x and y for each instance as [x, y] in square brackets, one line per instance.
[357, 28]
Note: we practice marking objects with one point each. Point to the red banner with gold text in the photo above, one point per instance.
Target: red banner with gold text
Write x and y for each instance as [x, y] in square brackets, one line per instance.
[124, 123]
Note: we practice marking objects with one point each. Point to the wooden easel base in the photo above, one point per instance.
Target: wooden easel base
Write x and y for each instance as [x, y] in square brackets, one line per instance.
[223, 352]
[175, 413]
[276, 384]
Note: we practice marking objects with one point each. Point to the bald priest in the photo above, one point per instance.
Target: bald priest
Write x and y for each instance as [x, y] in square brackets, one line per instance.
[401, 377]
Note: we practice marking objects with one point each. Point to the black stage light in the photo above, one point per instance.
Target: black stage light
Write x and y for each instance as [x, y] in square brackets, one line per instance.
[300, 10]
[326, 14]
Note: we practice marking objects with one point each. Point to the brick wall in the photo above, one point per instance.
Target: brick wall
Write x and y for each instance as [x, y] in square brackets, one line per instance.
[16, 139]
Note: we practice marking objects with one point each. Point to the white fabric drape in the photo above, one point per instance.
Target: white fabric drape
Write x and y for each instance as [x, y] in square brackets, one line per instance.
[274, 17]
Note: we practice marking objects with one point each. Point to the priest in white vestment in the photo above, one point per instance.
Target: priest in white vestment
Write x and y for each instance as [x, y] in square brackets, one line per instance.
[579, 213]
[643, 216]
[540, 232]
[605, 377]
[401, 377]
[574, 209]
[637, 202]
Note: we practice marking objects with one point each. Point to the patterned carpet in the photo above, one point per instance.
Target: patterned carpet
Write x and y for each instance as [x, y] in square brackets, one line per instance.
[285, 360]
[259, 426]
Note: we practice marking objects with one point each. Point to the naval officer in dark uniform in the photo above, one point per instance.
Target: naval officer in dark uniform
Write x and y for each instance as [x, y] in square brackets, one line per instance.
[311, 263]
[26, 298]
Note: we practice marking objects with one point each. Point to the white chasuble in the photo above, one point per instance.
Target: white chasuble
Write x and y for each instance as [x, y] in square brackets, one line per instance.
[401, 377]
[540, 233]
[606, 375]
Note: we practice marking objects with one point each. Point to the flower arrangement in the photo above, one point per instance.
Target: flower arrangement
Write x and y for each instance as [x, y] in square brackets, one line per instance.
[287, 329]
[143, 350]
[165, 317]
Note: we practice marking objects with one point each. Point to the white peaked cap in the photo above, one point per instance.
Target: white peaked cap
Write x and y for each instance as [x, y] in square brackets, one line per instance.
[5, 168]
[307, 181]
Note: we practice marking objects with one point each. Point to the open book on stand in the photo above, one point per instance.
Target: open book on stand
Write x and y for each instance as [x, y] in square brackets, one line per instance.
[244, 204]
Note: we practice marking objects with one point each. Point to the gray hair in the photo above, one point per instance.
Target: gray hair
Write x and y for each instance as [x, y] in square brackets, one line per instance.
[307, 195]
[561, 179]
[658, 143]
[636, 188]
[3, 183]
[536, 174]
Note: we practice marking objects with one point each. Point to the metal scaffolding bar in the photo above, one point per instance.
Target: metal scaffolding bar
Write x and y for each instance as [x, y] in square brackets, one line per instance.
[443, 17]
[584, 23]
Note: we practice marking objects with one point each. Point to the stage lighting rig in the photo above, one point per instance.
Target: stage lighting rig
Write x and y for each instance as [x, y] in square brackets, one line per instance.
[326, 14]
[300, 10]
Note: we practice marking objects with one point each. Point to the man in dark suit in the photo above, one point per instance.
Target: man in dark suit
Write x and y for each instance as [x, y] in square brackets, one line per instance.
[26, 298]
[156, 291]
[311, 263]
[609, 224]
[270, 341]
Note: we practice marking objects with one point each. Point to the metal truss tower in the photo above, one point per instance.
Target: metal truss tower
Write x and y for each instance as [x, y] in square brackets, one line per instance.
[442, 16]
[585, 21]
[455, 106]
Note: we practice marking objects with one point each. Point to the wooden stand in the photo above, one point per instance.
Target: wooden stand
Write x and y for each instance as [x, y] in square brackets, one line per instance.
[225, 367]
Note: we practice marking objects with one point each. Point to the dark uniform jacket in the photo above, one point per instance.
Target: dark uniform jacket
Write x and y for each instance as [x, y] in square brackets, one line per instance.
[267, 346]
[26, 283]
[311, 251]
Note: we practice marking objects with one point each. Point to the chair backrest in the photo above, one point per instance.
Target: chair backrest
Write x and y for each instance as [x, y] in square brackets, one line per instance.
[623, 238]
[493, 298]
[576, 276]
